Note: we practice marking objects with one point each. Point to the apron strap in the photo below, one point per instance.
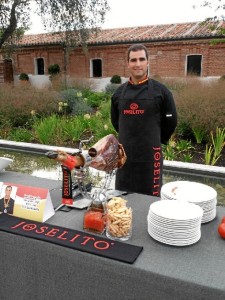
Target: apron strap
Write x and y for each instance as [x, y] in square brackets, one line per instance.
[124, 90]
[150, 89]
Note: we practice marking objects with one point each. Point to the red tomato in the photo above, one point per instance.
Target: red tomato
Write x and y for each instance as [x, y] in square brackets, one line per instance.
[221, 230]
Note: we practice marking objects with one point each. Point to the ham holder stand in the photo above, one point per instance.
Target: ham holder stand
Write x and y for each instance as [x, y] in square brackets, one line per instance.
[106, 155]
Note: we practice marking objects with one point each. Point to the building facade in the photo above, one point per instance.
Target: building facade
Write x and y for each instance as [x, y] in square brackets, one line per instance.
[175, 50]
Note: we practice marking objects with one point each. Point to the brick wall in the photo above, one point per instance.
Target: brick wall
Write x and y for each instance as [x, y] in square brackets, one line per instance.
[167, 59]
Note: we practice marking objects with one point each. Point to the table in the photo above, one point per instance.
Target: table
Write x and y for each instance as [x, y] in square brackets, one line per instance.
[33, 269]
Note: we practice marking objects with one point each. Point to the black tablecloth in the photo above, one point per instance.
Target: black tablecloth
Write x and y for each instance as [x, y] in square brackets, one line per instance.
[32, 269]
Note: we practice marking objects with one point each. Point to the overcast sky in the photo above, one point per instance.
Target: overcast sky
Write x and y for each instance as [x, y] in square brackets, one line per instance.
[128, 13]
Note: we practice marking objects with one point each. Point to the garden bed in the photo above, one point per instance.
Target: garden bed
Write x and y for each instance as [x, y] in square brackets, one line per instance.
[198, 155]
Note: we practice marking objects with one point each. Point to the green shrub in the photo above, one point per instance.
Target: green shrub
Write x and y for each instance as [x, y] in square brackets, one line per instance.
[21, 135]
[53, 69]
[73, 102]
[19, 107]
[201, 105]
[183, 129]
[177, 150]
[104, 109]
[24, 76]
[116, 79]
[45, 130]
[73, 128]
[111, 88]
[94, 99]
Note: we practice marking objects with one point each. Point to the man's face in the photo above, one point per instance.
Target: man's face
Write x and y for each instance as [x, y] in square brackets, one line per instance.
[138, 65]
[8, 192]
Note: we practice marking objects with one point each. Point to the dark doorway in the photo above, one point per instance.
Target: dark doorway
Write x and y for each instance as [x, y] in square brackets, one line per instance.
[40, 66]
[7, 71]
[194, 65]
[97, 67]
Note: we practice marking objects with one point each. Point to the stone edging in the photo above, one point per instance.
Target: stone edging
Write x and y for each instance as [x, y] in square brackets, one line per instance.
[181, 166]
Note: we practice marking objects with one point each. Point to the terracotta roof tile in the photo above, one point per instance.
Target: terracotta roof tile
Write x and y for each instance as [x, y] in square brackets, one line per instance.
[133, 34]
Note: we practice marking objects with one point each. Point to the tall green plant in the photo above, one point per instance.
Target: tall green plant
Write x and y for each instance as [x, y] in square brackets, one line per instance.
[45, 130]
[218, 141]
[177, 149]
[213, 152]
[72, 129]
[169, 151]
[21, 135]
[208, 154]
[199, 134]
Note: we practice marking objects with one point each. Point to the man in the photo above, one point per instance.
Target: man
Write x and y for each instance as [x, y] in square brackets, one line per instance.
[7, 203]
[143, 112]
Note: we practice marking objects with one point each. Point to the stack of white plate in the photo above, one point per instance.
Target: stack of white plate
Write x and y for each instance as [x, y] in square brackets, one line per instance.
[193, 192]
[175, 222]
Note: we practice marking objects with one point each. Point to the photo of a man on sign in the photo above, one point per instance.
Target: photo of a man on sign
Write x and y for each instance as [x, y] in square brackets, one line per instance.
[7, 202]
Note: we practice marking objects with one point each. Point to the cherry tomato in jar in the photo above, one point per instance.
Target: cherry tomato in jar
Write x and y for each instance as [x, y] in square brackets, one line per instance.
[221, 230]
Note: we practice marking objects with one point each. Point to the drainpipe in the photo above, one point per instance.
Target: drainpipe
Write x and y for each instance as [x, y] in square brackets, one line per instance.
[65, 63]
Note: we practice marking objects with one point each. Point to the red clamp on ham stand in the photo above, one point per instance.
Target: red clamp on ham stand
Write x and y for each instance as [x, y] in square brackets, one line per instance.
[68, 163]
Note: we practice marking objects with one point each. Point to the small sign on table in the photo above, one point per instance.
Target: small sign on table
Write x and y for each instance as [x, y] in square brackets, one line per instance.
[26, 202]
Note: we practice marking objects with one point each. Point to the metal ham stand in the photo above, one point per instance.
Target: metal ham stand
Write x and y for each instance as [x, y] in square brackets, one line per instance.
[81, 194]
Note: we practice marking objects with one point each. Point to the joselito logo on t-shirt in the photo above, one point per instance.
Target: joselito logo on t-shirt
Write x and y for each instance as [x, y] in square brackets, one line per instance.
[133, 110]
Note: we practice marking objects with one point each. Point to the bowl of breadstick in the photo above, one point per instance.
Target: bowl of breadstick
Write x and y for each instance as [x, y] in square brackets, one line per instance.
[118, 219]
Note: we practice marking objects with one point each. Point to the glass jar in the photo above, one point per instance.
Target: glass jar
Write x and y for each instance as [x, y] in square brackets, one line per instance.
[94, 217]
[118, 222]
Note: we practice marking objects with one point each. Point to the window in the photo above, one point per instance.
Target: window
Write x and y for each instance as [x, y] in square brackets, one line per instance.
[96, 68]
[194, 65]
[40, 67]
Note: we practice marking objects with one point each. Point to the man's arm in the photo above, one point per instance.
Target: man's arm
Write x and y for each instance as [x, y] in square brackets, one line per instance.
[168, 117]
[114, 113]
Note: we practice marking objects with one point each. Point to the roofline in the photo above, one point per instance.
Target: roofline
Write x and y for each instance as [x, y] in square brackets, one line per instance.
[158, 40]
[128, 42]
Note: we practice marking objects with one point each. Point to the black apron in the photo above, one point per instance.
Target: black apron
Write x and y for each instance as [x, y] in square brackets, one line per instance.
[140, 135]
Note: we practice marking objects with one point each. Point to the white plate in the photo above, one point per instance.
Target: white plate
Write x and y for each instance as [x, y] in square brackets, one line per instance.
[181, 239]
[174, 222]
[209, 216]
[174, 227]
[176, 210]
[173, 234]
[189, 191]
[206, 205]
[176, 243]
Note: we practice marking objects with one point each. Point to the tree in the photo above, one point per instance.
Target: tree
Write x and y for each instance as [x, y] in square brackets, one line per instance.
[13, 16]
[74, 19]
[217, 6]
